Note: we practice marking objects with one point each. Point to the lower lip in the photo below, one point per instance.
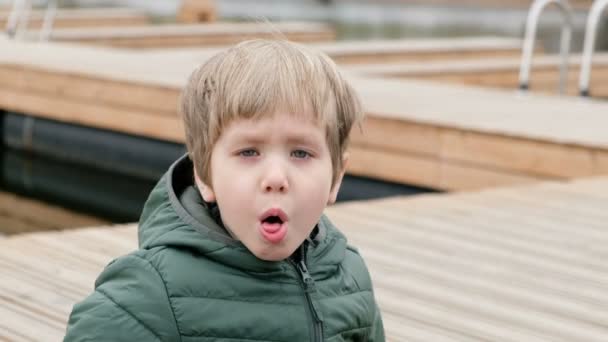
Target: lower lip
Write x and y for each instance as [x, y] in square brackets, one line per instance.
[273, 233]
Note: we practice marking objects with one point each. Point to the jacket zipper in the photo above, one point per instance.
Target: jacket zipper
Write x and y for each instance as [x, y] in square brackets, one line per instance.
[309, 288]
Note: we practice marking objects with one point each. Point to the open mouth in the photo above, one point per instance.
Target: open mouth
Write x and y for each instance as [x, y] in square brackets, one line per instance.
[274, 216]
[273, 225]
[273, 220]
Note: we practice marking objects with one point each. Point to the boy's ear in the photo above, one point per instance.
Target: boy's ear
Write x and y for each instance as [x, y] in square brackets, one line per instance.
[333, 194]
[205, 190]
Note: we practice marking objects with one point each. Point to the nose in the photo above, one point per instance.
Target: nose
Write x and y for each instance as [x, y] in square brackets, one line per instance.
[275, 178]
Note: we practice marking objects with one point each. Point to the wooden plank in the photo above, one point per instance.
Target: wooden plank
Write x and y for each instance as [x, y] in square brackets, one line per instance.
[132, 121]
[516, 154]
[75, 279]
[490, 151]
[157, 100]
[213, 34]
[22, 215]
[498, 73]
[440, 234]
[424, 171]
[408, 50]
[546, 118]
[348, 52]
[23, 327]
[398, 135]
[393, 167]
[90, 17]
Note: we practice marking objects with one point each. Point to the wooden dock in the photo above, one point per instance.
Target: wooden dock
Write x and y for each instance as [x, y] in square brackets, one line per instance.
[386, 51]
[500, 73]
[512, 264]
[90, 17]
[423, 133]
[178, 35]
[20, 215]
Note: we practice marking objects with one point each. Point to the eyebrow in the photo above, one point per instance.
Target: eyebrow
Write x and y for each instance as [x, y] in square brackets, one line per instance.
[304, 140]
[248, 138]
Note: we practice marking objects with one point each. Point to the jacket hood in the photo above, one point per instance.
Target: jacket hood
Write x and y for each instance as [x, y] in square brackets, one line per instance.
[166, 223]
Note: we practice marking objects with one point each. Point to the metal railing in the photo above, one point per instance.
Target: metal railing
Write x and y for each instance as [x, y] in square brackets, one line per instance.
[593, 22]
[49, 19]
[531, 25]
[19, 14]
[18, 19]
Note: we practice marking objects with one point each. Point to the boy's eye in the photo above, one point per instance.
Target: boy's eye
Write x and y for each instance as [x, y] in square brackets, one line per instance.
[300, 154]
[248, 153]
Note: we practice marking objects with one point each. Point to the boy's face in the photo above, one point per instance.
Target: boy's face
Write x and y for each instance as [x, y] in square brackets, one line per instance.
[271, 179]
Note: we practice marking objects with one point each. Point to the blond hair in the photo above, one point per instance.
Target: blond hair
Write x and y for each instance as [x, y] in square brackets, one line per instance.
[258, 77]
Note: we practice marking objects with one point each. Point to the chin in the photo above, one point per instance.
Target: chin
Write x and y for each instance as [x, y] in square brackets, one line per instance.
[273, 254]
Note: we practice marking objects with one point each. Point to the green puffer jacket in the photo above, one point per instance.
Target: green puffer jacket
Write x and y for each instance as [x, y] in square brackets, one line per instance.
[190, 281]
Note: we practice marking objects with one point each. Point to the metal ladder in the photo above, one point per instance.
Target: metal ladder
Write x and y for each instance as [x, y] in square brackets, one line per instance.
[535, 11]
[593, 22]
[20, 15]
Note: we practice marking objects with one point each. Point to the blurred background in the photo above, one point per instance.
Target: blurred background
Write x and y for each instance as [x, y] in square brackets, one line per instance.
[368, 19]
[94, 192]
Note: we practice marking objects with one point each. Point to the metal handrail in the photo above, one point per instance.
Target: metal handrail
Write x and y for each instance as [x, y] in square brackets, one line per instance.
[24, 19]
[590, 34]
[19, 17]
[49, 19]
[13, 18]
[530, 36]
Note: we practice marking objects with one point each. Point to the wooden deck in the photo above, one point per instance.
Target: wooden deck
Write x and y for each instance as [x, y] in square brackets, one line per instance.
[91, 17]
[423, 133]
[386, 51]
[204, 34]
[20, 215]
[513, 264]
[497, 72]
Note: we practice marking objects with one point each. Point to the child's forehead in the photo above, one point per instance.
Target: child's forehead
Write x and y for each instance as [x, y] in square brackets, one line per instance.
[298, 118]
[292, 121]
[288, 126]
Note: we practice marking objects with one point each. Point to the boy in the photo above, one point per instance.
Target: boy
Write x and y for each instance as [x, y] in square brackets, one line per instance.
[233, 243]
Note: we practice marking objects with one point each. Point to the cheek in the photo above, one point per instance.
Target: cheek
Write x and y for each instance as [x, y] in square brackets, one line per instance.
[233, 193]
[317, 190]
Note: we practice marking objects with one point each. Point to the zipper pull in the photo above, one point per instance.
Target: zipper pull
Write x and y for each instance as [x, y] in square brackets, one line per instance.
[309, 283]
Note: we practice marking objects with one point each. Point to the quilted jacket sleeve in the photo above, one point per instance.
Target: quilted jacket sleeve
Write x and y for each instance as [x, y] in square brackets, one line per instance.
[130, 303]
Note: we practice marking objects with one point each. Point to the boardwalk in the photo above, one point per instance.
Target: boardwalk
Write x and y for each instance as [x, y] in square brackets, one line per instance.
[512, 264]
[176, 35]
[497, 72]
[21, 215]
